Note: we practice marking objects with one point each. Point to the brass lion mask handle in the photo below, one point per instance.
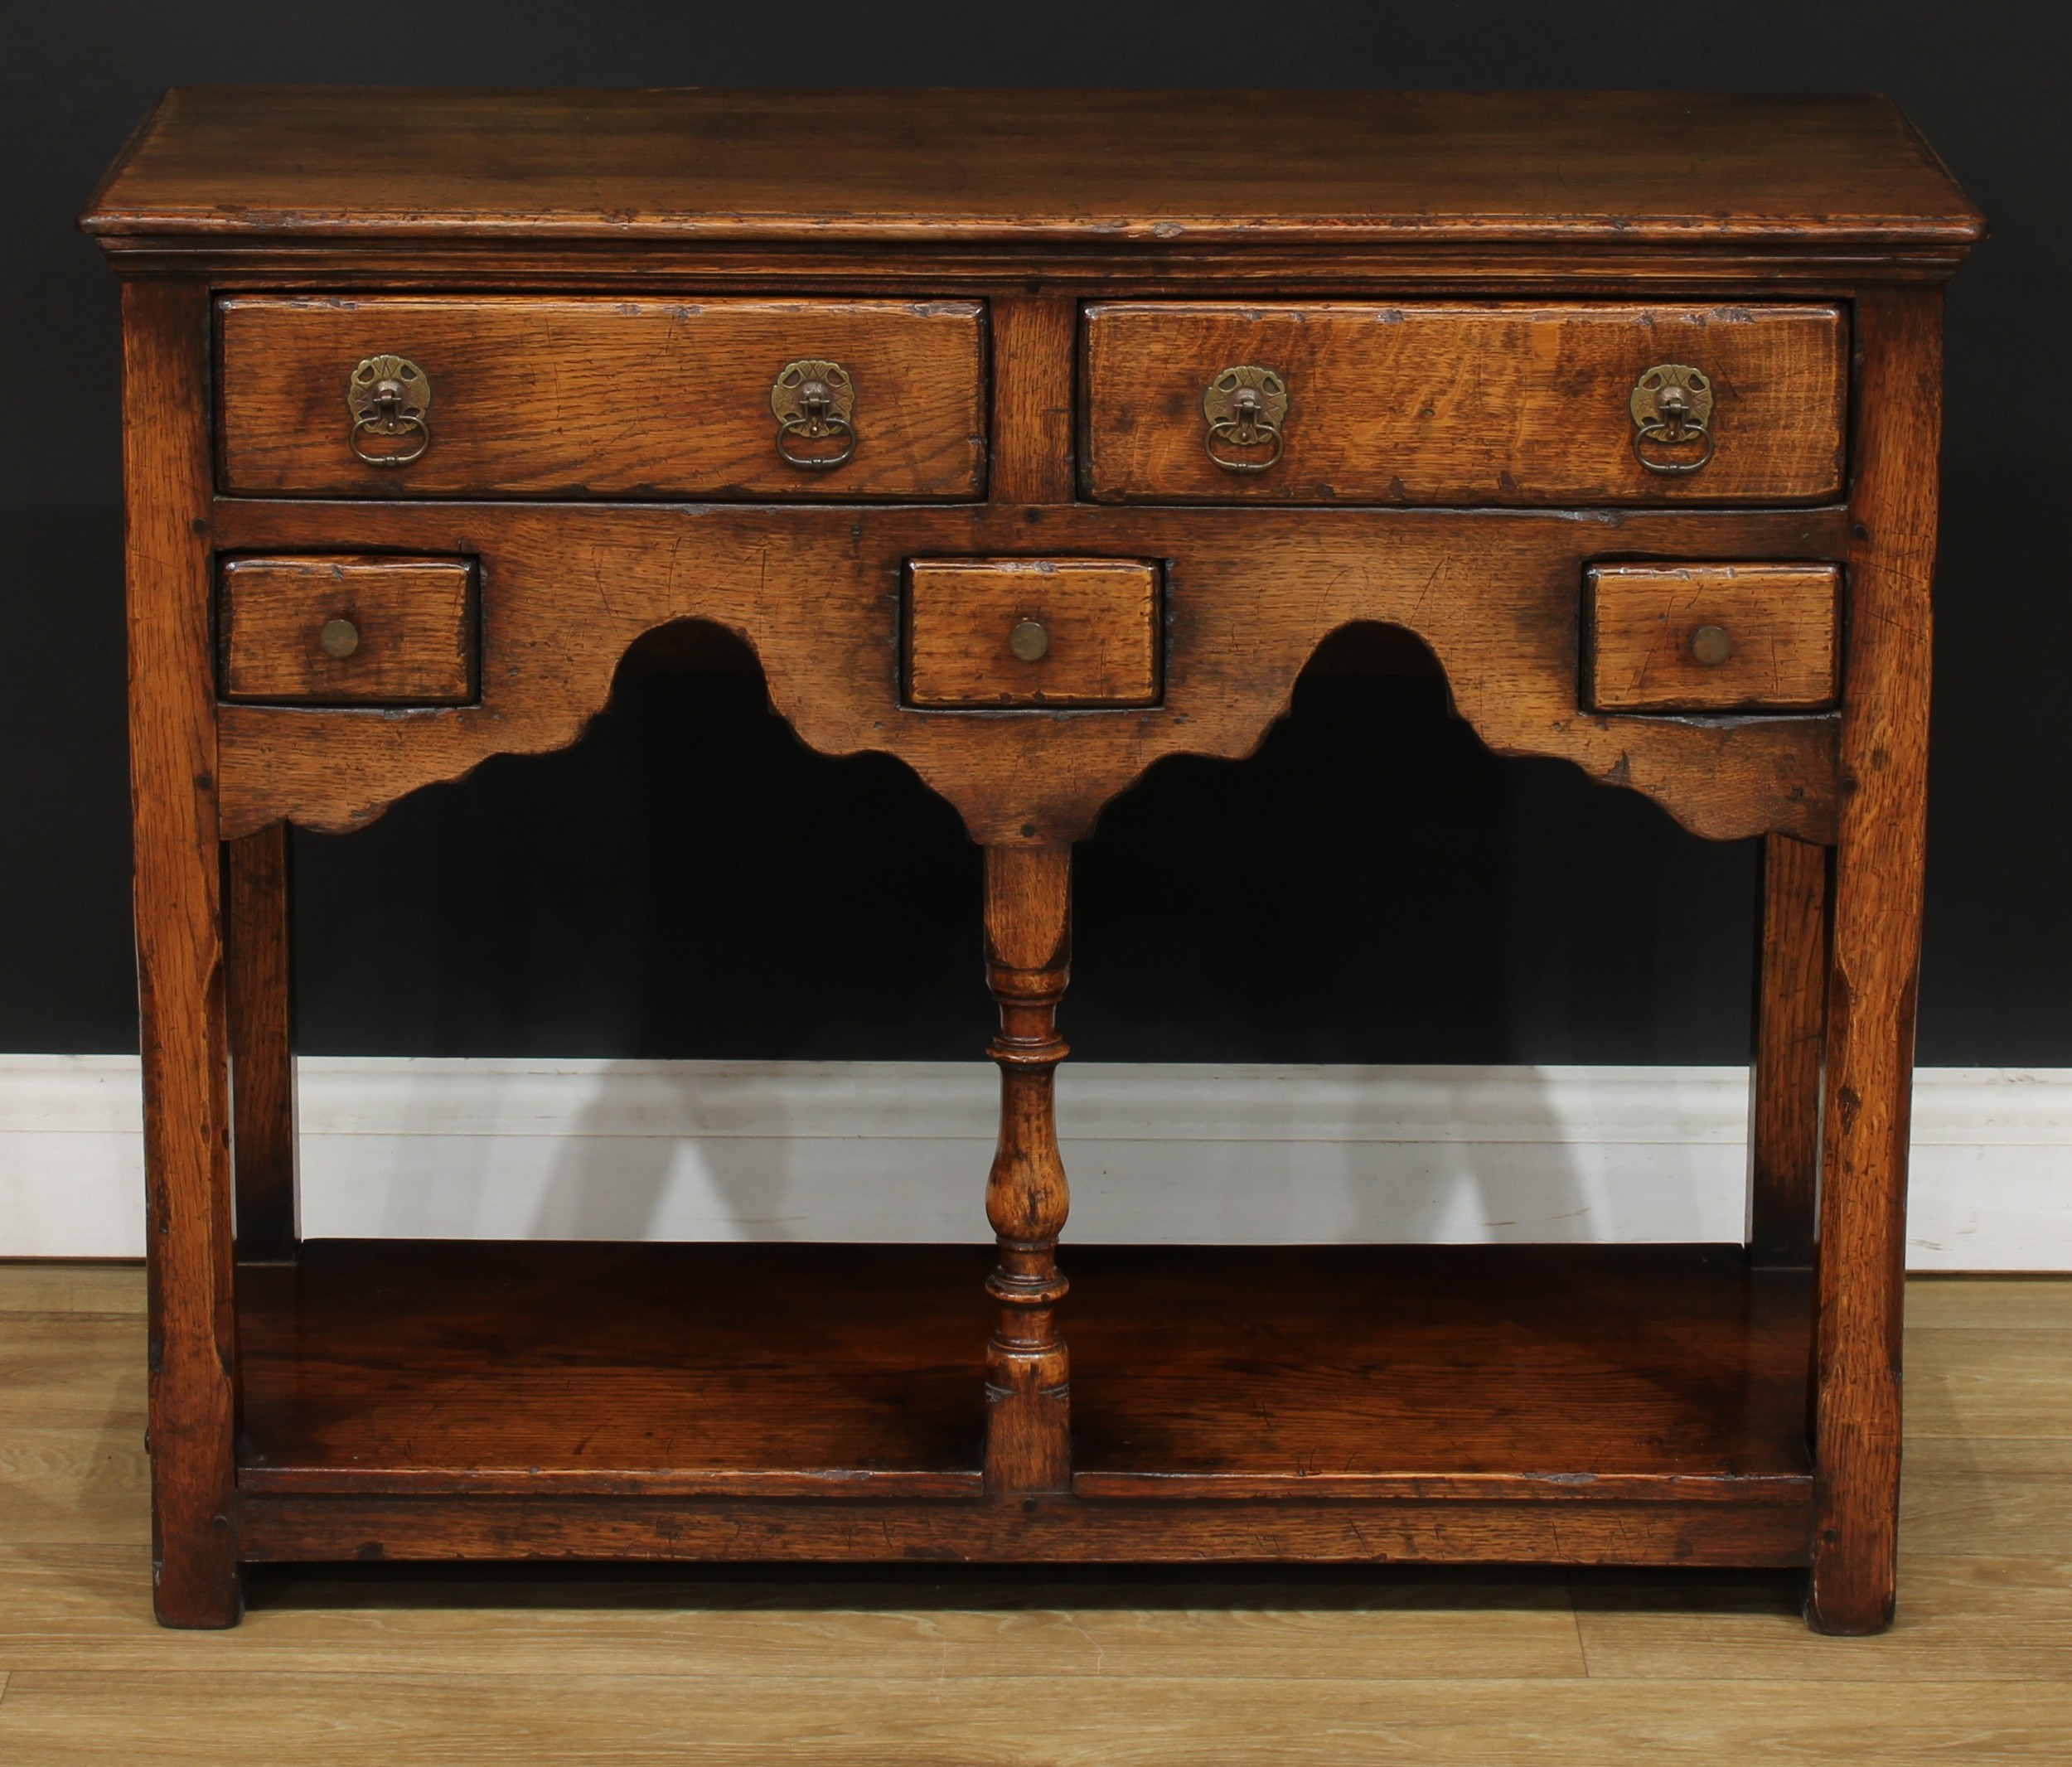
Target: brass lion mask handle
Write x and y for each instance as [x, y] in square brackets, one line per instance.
[389, 396]
[1672, 407]
[815, 401]
[1245, 408]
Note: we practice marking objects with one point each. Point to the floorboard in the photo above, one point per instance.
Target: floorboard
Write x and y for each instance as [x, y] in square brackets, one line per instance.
[924, 1666]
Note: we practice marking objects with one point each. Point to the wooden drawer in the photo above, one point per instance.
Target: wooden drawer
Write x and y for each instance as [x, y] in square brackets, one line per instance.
[1032, 632]
[1713, 637]
[338, 630]
[540, 396]
[1489, 403]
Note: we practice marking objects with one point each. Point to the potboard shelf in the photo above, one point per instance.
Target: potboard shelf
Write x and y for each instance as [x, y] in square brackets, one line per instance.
[1484, 1379]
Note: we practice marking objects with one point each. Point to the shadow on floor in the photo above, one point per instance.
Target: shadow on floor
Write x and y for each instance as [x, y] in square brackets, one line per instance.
[902, 1587]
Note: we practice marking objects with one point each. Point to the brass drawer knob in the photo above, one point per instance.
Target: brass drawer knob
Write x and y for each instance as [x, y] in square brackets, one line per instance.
[391, 397]
[1710, 646]
[1029, 641]
[339, 639]
[815, 402]
[1245, 408]
[1672, 407]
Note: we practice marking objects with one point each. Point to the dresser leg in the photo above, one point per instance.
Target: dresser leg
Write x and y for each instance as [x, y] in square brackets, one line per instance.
[192, 1400]
[1028, 955]
[1860, 1264]
[257, 985]
[1784, 1140]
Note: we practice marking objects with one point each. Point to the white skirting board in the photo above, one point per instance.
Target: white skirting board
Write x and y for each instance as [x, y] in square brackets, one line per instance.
[895, 1150]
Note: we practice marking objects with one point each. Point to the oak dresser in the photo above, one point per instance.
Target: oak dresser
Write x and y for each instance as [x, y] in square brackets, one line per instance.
[1029, 438]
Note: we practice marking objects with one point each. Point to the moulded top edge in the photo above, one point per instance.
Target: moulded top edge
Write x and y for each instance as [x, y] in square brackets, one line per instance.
[1167, 169]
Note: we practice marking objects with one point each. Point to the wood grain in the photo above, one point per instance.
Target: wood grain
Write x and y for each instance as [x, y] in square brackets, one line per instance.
[1251, 594]
[1031, 1529]
[1602, 1668]
[413, 619]
[66, 1373]
[1461, 289]
[172, 768]
[71, 1286]
[428, 1369]
[2029, 1303]
[1781, 620]
[258, 960]
[1443, 403]
[1999, 1384]
[1099, 618]
[1231, 1720]
[1874, 966]
[1028, 964]
[1779, 267]
[1327, 1366]
[1662, 169]
[1034, 339]
[85, 1486]
[61, 1608]
[1969, 1618]
[1791, 1002]
[594, 397]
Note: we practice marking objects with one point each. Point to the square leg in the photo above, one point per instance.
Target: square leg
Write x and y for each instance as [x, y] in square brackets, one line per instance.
[1791, 1018]
[179, 904]
[1860, 1266]
[259, 988]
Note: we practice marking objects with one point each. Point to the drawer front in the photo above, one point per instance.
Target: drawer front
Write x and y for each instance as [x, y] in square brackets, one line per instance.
[526, 396]
[1713, 637]
[1031, 632]
[1482, 404]
[332, 630]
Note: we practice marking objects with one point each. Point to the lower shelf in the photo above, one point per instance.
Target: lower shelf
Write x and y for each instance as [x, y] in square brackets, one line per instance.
[429, 1366]
[1578, 1404]
[1672, 1370]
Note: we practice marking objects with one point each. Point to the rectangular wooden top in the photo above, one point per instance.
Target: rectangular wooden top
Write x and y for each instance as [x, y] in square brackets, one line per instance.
[949, 166]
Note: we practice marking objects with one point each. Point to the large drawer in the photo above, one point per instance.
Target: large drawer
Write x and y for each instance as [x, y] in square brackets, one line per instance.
[1489, 403]
[544, 396]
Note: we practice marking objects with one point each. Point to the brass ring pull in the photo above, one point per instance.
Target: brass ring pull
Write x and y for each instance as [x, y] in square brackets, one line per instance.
[814, 400]
[389, 395]
[1245, 408]
[1671, 407]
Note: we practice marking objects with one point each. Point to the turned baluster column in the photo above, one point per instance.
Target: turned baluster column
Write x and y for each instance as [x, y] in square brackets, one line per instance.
[1028, 958]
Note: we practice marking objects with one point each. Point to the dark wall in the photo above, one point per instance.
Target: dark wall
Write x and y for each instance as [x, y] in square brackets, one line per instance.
[1371, 886]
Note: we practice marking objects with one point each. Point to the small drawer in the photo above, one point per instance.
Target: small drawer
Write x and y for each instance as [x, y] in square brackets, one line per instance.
[333, 630]
[1032, 632]
[508, 396]
[1713, 637]
[1443, 404]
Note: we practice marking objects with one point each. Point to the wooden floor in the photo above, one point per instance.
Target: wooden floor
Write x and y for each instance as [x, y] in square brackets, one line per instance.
[423, 1667]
